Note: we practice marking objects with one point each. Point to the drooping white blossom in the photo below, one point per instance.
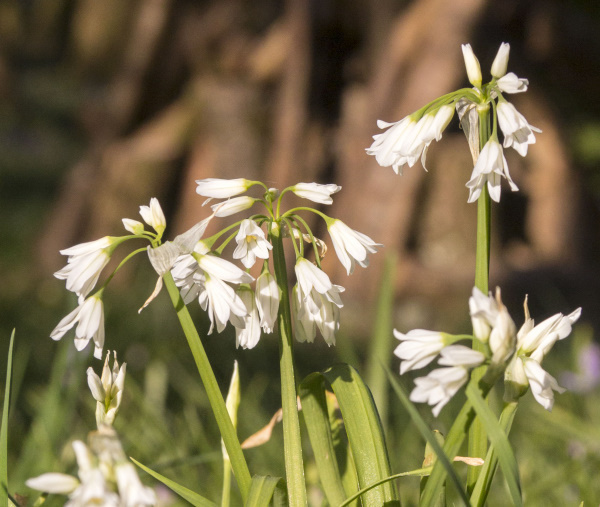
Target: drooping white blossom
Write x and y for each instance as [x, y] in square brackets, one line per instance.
[518, 134]
[439, 386]
[251, 243]
[267, 300]
[85, 263]
[89, 317]
[248, 336]
[305, 328]
[460, 355]
[316, 192]
[418, 348]
[222, 304]
[233, 206]
[510, 83]
[221, 188]
[310, 276]
[351, 246]
[490, 167]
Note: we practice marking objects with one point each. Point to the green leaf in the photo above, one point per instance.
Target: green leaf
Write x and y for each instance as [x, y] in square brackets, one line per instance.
[314, 410]
[365, 433]
[185, 493]
[4, 428]
[430, 438]
[498, 438]
[265, 488]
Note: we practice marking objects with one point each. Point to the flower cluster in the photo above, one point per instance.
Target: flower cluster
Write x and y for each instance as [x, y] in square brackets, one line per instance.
[407, 140]
[105, 475]
[223, 289]
[519, 354]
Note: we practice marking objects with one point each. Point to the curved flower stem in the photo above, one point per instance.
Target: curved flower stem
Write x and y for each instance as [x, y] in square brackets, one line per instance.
[292, 445]
[482, 487]
[228, 433]
[477, 437]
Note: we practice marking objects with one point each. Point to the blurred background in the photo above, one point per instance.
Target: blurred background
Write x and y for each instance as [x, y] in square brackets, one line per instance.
[105, 104]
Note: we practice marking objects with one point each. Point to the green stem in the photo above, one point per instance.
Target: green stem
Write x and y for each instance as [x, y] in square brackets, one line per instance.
[292, 445]
[228, 433]
[477, 436]
[482, 487]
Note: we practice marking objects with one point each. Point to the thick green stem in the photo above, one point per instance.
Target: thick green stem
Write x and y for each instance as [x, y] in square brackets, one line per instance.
[477, 436]
[482, 487]
[292, 445]
[217, 403]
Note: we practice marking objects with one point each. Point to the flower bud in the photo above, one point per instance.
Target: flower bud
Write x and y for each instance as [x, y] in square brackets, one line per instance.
[472, 65]
[501, 61]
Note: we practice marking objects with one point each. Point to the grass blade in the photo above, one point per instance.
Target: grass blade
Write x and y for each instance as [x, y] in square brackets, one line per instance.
[429, 437]
[263, 488]
[185, 493]
[4, 428]
[500, 442]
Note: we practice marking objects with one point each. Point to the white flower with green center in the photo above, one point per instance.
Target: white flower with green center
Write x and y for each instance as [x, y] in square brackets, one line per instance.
[248, 336]
[133, 226]
[233, 206]
[351, 246]
[153, 215]
[316, 192]
[518, 134]
[460, 355]
[221, 188]
[438, 388]
[267, 300]
[311, 277]
[85, 263]
[251, 243]
[89, 317]
[490, 167]
[418, 348]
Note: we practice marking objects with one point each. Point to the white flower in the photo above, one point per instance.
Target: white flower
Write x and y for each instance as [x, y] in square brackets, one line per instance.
[251, 243]
[310, 276]
[248, 336]
[222, 189]
[267, 300]
[439, 386]
[510, 83]
[418, 348]
[85, 263]
[459, 355]
[542, 383]
[483, 310]
[153, 215]
[325, 310]
[304, 321]
[517, 132]
[490, 167]
[107, 390]
[501, 61]
[233, 206]
[133, 226]
[316, 192]
[222, 304]
[131, 490]
[220, 268]
[53, 483]
[386, 146]
[90, 316]
[406, 141]
[472, 65]
[351, 246]
[503, 336]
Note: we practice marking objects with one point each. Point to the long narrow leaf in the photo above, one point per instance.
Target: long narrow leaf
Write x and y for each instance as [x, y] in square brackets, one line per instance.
[429, 437]
[314, 410]
[365, 433]
[4, 428]
[263, 489]
[185, 493]
[498, 438]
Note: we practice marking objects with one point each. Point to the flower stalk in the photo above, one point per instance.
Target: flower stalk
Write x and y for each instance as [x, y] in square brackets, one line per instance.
[477, 446]
[228, 433]
[292, 444]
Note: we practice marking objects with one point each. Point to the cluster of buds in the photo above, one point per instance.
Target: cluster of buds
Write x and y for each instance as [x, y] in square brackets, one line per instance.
[519, 354]
[105, 476]
[407, 140]
[223, 289]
